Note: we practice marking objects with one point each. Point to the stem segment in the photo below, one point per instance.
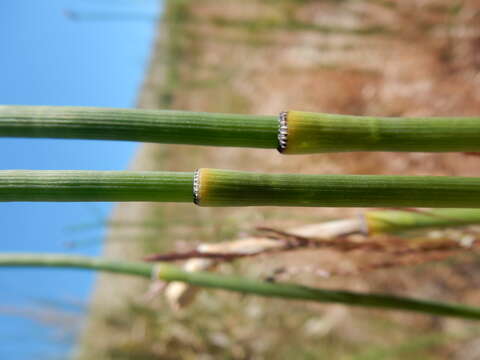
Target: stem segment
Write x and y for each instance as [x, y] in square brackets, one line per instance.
[162, 126]
[235, 188]
[169, 272]
[72, 185]
[316, 133]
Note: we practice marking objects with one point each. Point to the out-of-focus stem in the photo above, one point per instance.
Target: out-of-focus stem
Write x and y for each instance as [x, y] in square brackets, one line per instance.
[80, 262]
[387, 221]
[168, 272]
[298, 292]
[371, 222]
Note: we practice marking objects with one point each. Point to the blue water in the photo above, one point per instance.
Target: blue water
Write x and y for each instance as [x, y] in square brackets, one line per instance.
[48, 59]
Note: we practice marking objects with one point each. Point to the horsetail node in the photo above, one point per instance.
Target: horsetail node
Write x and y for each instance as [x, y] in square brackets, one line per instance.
[282, 131]
[196, 187]
[291, 132]
[169, 272]
[213, 187]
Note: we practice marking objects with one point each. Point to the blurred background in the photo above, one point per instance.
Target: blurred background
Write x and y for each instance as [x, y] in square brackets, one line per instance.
[375, 57]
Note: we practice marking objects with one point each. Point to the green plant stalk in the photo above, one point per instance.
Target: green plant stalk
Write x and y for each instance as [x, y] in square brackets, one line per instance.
[299, 292]
[73, 261]
[301, 132]
[211, 187]
[169, 272]
[72, 185]
[162, 126]
[235, 188]
[388, 221]
[316, 133]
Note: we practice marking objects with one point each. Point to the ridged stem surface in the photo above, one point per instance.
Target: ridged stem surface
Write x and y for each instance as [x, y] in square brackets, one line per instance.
[316, 133]
[307, 132]
[169, 272]
[77, 185]
[162, 126]
[235, 188]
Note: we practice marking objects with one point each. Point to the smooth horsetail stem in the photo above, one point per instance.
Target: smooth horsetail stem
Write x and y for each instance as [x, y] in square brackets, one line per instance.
[169, 272]
[292, 132]
[307, 132]
[388, 221]
[211, 187]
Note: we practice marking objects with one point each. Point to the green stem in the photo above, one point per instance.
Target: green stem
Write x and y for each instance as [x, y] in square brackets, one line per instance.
[169, 272]
[302, 132]
[80, 262]
[170, 127]
[387, 221]
[72, 185]
[299, 292]
[315, 132]
[235, 188]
